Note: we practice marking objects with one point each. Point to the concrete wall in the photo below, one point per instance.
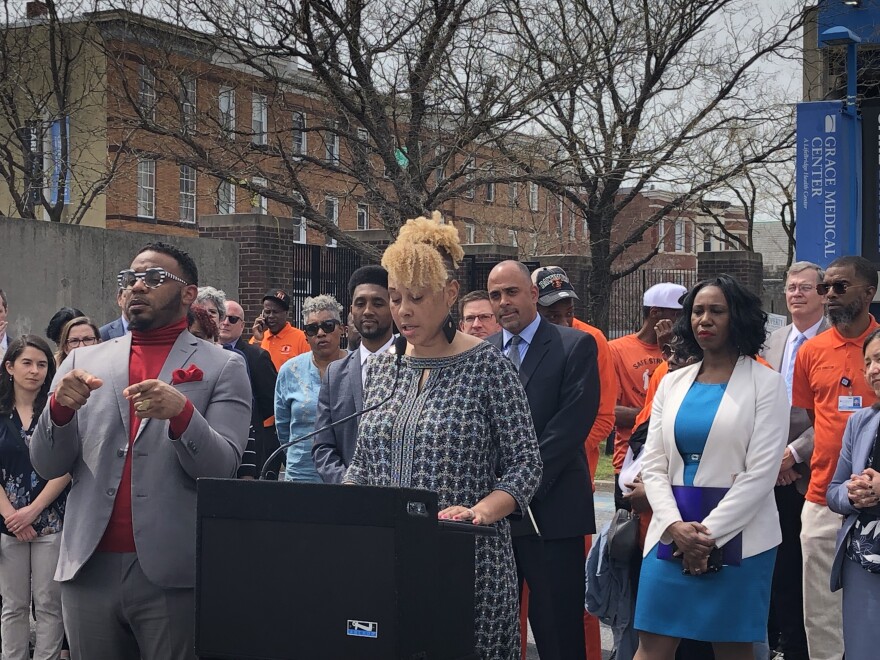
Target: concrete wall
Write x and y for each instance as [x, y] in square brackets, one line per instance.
[44, 266]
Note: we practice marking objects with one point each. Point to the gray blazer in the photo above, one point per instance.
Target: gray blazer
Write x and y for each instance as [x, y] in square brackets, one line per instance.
[93, 445]
[112, 330]
[858, 441]
[800, 430]
[341, 394]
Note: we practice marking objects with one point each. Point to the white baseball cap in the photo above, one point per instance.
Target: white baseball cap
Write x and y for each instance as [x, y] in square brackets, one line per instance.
[666, 295]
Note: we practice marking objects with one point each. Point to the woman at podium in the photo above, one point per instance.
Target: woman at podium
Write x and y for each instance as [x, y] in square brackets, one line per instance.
[456, 422]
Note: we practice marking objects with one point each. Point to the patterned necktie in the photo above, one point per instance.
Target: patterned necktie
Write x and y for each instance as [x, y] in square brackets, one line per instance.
[789, 372]
[513, 351]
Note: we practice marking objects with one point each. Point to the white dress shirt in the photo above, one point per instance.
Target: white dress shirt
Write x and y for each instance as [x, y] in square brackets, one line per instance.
[366, 354]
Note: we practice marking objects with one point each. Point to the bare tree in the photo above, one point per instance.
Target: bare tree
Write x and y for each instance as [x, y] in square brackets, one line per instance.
[646, 93]
[396, 104]
[52, 105]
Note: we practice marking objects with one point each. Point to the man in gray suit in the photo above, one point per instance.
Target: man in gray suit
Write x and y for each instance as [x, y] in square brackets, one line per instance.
[342, 390]
[807, 309]
[135, 421]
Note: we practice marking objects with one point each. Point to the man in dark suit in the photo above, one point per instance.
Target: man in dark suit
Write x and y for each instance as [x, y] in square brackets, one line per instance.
[807, 309]
[117, 327]
[559, 371]
[262, 374]
[342, 390]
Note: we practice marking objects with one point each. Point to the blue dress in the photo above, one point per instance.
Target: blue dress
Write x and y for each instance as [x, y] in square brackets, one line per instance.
[296, 407]
[729, 606]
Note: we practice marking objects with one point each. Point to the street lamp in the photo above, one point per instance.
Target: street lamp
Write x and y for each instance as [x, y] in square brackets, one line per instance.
[841, 36]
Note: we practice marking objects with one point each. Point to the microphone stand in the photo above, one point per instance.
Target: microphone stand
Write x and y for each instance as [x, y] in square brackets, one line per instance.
[399, 349]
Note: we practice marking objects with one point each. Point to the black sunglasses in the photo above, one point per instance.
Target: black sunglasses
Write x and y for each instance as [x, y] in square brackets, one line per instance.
[838, 287]
[311, 329]
[152, 278]
[233, 319]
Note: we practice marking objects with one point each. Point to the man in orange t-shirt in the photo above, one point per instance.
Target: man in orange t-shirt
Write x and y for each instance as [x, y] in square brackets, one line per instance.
[636, 356]
[828, 382]
[556, 298]
[273, 332]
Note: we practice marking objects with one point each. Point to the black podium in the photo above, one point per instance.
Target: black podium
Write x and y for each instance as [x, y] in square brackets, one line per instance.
[313, 571]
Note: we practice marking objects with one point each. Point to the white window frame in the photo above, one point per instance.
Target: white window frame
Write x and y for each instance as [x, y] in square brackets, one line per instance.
[259, 203]
[490, 189]
[188, 96]
[513, 194]
[363, 216]
[226, 197]
[298, 221]
[331, 212]
[146, 188]
[533, 196]
[299, 135]
[331, 145]
[470, 233]
[363, 135]
[226, 104]
[469, 172]
[512, 237]
[559, 215]
[187, 198]
[661, 235]
[706, 238]
[680, 235]
[259, 119]
[147, 91]
[439, 169]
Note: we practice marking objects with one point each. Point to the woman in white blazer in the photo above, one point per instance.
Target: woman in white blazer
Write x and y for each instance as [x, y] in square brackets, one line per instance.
[717, 423]
[855, 493]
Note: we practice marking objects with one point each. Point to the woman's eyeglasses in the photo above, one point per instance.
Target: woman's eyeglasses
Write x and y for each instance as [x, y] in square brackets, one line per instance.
[838, 287]
[311, 329]
[152, 278]
[85, 341]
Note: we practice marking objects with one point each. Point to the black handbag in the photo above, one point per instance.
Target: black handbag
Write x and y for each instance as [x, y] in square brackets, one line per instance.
[623, 535]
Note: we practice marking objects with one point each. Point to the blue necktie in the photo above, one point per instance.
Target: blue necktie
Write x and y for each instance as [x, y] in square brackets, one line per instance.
[789, 372]
[513, 351]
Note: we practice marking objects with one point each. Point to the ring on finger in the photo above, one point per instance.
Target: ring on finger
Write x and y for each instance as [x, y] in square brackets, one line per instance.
[143, 406]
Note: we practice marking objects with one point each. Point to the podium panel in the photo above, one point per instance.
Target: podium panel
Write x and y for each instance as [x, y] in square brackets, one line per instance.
[312, 571]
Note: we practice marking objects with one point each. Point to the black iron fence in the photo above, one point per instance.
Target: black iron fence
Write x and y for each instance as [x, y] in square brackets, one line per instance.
[625, 315]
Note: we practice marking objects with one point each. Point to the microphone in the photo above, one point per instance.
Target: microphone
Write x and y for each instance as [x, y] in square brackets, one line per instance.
[399, 350]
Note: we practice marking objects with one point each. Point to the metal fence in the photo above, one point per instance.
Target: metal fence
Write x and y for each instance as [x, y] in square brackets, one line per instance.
[625, 315]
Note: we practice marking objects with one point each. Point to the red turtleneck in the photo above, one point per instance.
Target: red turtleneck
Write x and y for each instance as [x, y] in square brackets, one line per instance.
[149, 350]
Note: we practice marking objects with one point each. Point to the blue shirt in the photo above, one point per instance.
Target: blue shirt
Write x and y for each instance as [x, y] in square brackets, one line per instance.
[296, 407]
[527, 335]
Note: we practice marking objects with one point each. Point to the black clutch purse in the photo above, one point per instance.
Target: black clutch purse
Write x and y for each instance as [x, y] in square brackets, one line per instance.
[623, 535]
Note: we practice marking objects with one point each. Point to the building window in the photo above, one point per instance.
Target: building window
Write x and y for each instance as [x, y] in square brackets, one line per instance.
[533, 196]
[470, 233]
[187, 194]
[680, 242]
[227, 111]
[226, 198]
[331, 145]
[363, 136]
[259, 118]
[146, 191]
[469, 168]
[490, 190]
[559, 216]
[299, 225]
[188, 105]
[511, 238]
[572, 226]
[439, 169]
[147, 91]
[513, 193]
[299, 134]
[363, 217]
[331, 212]
[259, 204]
[661, 235]
[707, 239]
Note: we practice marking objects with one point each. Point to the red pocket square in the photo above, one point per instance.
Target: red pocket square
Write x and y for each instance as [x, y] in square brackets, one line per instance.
[192, 374]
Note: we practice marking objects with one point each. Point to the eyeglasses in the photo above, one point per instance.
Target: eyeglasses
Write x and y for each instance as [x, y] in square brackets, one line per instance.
[85, 341]
[152, 278]
[232, 319]
[311, 329]
[803, 288]
[838, 287]
[484, 318]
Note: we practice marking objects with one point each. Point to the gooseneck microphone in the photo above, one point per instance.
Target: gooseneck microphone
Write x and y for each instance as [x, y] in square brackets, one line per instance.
[399, 350]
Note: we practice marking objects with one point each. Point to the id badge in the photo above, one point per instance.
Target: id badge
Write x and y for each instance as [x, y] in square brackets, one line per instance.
[849, 403]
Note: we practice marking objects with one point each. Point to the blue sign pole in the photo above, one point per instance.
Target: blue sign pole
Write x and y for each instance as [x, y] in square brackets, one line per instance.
[828, 175]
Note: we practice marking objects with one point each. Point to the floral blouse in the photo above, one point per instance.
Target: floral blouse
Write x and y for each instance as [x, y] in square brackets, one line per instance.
[20, 481]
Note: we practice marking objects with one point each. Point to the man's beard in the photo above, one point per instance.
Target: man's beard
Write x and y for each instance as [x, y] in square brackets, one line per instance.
[846, 314]
[374, 334]
[161, 317]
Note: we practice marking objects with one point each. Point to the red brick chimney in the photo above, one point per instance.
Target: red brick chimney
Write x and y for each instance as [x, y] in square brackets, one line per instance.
[36, 9]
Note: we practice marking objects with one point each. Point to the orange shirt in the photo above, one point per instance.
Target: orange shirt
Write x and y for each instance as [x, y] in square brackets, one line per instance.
[634, 363]
[287, 344]
[822, 363]
[604, 423]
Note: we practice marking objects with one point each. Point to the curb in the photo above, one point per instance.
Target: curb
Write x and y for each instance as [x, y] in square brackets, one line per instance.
[605, 485]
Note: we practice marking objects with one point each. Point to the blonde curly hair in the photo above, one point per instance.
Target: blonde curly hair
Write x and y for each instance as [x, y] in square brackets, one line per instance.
[425, 255]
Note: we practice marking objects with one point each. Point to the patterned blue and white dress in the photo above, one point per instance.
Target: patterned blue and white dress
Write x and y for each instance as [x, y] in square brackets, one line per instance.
[470, 420]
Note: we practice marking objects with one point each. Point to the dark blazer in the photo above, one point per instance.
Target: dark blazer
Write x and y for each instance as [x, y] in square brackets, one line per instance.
[112, 330]
[561, 377]
[341, 394]
[263, 376]
[858, 443]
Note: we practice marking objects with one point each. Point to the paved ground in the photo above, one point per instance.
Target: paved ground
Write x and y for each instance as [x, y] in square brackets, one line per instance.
[604, 502]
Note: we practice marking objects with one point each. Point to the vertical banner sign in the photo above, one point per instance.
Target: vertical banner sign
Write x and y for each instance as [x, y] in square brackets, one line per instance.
[870, 109]
[56, 155]
[828, 175]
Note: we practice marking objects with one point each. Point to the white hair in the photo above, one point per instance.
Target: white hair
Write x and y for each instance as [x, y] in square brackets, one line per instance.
[322, 303]
[214, 297]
